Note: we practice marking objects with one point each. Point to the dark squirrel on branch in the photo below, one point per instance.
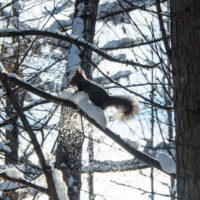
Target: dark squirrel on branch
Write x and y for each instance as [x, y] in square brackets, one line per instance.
[100, 97]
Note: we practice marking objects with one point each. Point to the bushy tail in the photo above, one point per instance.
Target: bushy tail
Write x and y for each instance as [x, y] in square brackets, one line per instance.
[128, 107]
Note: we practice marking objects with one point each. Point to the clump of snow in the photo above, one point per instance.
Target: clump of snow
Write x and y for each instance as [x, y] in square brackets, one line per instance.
[121, 74]
[69, 95]
[78, 26]
[50, 159]
[13, 173]
[93, 111]
[82, 100]
[73, 58]
[4, 147]
[74, 53]
[56, 54]
[131, 143]
[166, 162]
[117, 43]
[61, 187]
[121, 57]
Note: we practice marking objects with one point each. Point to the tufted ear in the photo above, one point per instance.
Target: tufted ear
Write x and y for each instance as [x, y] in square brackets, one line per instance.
[81, 72]
[78, 69]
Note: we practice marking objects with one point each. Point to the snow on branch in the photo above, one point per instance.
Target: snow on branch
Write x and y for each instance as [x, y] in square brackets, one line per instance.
[61, 187]
[35, 90]
[74, 55]
[82, 100]
[138, 154]
[78, 41]
[76, 101]
[131, 143]
[113, 44]
[14, 175]
[129, 43]
[166, 162]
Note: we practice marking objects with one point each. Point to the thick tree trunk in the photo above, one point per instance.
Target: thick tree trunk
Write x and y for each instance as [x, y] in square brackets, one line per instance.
[69, 151]
[186, 75]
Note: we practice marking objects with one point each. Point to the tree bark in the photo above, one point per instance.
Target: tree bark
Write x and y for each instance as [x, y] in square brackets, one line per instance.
[69, 150]
[186, 76]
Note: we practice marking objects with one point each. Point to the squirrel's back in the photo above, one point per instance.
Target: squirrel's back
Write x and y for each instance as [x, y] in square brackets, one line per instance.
[99, 96]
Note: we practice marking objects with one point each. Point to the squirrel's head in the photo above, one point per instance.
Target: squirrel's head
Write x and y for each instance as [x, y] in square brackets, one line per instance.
[79, 75]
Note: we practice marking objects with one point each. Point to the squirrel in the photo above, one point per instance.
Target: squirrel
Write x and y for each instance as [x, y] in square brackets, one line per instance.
[101, 98]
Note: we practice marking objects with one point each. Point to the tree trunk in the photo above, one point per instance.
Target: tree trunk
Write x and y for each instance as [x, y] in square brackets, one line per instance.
[186, 75]
[12, 67]
[11, 136]
[12, 130]
[69, 150]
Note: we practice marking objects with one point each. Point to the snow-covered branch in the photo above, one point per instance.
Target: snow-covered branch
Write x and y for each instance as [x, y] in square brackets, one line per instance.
[15, 176]
[71, 39]
[138, 154]
[129, 43]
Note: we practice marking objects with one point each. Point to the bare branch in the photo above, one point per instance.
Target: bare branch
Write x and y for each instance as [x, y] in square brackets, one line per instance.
[114, 166]
[162, 29]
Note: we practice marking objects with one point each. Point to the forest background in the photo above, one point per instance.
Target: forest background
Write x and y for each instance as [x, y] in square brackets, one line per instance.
[51, 147]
